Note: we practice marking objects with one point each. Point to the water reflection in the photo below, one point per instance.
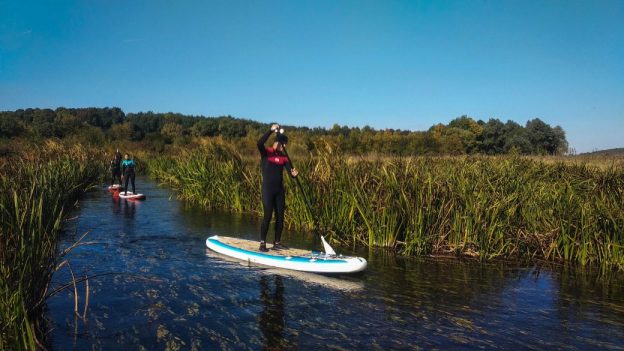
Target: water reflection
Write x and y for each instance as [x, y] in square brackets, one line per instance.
[129, 208]
[116, 205]
[123, 206]
[272, 316]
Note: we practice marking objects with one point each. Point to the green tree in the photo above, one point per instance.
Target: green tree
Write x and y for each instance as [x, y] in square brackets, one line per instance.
[231, 128]
[516, 139]
[206, 127]
[466, 123]
[544, 138]
[136, 133]
[171, 131]
[492, 139]
[560, 141]
[10, 127]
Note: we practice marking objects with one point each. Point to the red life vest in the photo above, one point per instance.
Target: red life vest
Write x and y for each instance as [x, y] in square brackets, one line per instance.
[275, 158]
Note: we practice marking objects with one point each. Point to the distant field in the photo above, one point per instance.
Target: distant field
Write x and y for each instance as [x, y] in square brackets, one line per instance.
[608, 152]
[602, 159]
[599, 160]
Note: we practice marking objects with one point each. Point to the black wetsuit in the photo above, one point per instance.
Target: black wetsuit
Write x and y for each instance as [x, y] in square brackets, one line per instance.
[273, 194]
[128, 171]
[116, 169]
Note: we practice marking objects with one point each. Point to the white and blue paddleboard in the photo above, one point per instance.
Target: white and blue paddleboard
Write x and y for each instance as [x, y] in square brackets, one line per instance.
[295, 259]
[129, 195]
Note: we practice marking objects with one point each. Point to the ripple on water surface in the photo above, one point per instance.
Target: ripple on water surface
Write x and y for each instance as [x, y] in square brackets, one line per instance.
[156, 286]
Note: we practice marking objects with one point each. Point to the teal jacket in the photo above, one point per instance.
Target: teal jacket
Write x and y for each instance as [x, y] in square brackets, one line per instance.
[127, 166]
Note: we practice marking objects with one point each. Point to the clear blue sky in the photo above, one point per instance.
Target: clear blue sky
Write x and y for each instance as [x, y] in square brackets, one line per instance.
[388, 64]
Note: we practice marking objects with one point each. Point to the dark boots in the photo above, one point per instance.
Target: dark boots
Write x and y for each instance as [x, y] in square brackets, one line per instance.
[263, 247]
[278, 246]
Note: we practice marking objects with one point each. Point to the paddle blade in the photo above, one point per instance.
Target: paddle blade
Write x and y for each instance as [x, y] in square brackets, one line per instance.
[328, 249]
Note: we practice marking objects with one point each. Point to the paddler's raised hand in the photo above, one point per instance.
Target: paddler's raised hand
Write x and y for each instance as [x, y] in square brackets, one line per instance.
[294, 172]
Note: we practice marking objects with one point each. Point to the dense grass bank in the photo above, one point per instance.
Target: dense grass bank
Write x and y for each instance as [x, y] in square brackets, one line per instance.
[37, 186]
[486, 207]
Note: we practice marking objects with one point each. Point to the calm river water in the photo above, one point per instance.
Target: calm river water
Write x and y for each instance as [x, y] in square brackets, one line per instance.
[155, 286]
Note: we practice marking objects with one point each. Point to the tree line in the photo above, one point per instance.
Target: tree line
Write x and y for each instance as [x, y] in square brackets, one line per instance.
[463, 135]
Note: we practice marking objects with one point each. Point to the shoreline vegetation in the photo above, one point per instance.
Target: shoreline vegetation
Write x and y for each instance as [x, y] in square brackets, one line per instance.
[485, 207]
[468, 188]
[39, 184]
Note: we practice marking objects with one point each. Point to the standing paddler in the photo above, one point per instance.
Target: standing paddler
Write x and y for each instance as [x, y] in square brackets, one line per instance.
[273, 161]
[115, 167]
[128, 166]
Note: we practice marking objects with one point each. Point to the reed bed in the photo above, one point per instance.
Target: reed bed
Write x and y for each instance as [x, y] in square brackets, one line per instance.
[484, 207]
[37, 186]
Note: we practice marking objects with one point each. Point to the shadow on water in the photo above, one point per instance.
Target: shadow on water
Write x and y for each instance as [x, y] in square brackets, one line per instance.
[169, 291]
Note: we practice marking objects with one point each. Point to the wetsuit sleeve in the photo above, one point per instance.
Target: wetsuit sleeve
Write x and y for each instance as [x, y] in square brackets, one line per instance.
[123, 167]
[263, 139]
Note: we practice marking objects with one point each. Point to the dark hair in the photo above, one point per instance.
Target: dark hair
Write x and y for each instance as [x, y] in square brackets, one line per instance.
[282, 138]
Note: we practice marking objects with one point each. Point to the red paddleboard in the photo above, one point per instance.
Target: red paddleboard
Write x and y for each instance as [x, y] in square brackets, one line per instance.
[114, 187]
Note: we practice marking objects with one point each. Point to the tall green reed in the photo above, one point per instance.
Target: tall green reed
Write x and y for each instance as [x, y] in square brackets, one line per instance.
[485, 207]
[36, 187]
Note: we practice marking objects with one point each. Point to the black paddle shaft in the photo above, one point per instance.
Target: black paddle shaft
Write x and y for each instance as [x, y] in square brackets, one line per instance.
[305, 195]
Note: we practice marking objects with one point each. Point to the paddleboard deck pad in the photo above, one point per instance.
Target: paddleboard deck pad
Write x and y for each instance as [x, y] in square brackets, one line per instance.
[295, 259]
[130, 196]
